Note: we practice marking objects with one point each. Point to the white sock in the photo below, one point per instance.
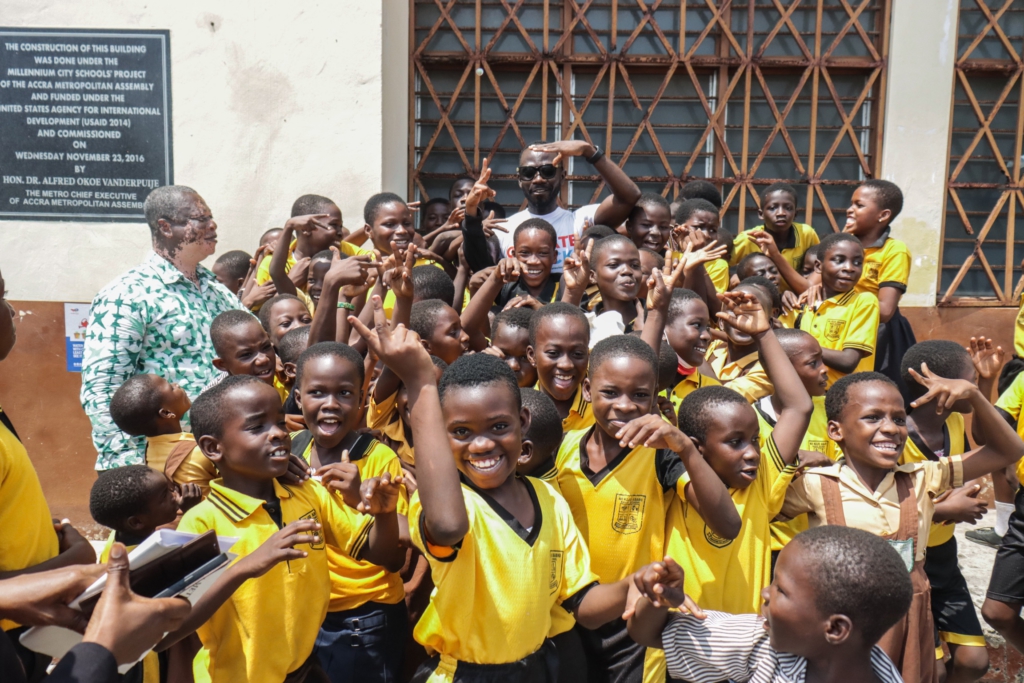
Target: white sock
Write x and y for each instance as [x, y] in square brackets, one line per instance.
[1003, 512]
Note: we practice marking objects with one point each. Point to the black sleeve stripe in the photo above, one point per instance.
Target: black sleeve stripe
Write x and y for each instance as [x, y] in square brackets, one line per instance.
[359, 542]
[773, 453]
[859, 347]
[426, 543]
[572, 603]
[894, 284]
[669, 468]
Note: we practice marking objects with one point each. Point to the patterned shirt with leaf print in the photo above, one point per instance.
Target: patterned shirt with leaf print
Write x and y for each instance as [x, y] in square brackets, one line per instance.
[151, 320]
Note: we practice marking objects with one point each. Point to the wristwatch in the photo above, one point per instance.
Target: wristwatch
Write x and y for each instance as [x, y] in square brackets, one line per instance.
[596, 156]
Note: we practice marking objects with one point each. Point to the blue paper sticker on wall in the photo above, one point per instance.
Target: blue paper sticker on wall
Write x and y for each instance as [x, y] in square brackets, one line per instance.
[76, 318]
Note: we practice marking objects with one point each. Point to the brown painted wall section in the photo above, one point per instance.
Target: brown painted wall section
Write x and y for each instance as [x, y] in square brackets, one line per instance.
[41, 396]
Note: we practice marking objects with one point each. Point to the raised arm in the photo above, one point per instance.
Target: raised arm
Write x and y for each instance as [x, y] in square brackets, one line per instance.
[743, 312]
[797, 282]
[279, 261]
[474, 240]
[348, 271]
[659, 294]
[444, 511]
[1002, 445]
[474, 318]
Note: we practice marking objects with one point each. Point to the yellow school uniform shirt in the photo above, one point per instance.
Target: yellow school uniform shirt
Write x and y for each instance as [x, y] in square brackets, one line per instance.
[353, 582]
[267, 629]
[495, 592]
[688, 385]
[196, 468]
[915, 450]
[263, 272]
[878, 511]
[27, 536]
[845, 321]
[801, 238]
[728, 575]
[1011, 401]
[581, 414]
[815, 439]
[886, 264]
[384, 416]
[745, 376]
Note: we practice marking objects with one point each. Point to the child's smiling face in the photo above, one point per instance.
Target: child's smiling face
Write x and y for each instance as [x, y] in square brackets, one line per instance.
[538, 253]
[731, 444]
[485, 429]
[842, 266]
[287, 315]
[650, 226]
[872, 429]
[560, 355]
[621, 389]
[329, 397]
[689, 333]
[448, 340]
[247, 351]
[393, 223]
[618, 272]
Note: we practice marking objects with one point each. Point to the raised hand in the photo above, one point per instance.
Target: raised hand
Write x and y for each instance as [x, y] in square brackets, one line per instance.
[298, 470]
[790, 301]
[576, 269]
[257, 295]
[308, 223]
[299, 273]
[342, 477]
[565, 148]
[187, 496]
[662, 584]
[380, 494]
[352, 270]
[963, 504]
[693, 257]
[651, 431]
[765, 242]
[945, 392]
[743, 312]
[523, 302]
[280, 548]
[480, 190]
[987, 358]
[508, 270]
[399, 349]
[400, 277]
[491, 224]
[661, 283]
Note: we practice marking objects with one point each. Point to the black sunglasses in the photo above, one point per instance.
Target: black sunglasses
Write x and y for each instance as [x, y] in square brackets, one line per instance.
[547, 171]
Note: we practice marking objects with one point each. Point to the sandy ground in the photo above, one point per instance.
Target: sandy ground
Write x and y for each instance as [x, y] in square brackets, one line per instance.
[976, 564]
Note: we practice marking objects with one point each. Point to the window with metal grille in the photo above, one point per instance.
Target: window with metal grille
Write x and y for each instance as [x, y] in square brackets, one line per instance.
[743, 93]
[981, 247]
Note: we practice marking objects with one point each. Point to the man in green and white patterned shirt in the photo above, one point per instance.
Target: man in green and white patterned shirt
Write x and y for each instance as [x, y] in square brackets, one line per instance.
[155, 319]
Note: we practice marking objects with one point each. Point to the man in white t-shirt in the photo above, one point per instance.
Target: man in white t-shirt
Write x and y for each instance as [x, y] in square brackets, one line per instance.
[540, 177]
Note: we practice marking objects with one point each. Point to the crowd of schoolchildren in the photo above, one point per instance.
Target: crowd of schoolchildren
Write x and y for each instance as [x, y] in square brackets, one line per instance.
[616, 444]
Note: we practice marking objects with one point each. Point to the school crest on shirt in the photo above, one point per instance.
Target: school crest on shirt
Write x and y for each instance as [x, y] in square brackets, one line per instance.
[313, 516]
[834, 329]
[555, 578]
[819, 446]
[628, 516]
[714, 539]
[872, 271]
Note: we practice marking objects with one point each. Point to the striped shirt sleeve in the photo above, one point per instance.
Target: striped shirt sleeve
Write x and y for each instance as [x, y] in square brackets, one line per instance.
[720, 647]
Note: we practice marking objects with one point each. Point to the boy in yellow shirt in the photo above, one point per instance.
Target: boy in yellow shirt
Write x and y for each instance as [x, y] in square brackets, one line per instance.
[505, 545]
[845, 323]
[559, 349]
[736, 362]
[150, 406]
[243, 347]
[267, 629]
[318, 222]
[724, 573]
[363, 636]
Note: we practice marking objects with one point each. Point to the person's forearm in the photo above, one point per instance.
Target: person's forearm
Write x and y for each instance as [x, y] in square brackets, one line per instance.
[647, 623]
[437, 478]
[654, 328]
[888, 303]
[573, 295]
[797, 282]
[978, 436]
[796, 410]
[325, 318]
[986, 385]
[843, 361]
[211, 601]
[383, 547]
[279, 262]
[461, 280]
[474, 244]
[709, 496]
[624, 194]
[474, 318]
[603, 603]
[365, 316]
[78, 553]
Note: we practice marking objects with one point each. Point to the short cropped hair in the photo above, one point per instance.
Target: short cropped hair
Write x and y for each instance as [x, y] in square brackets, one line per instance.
[292, 343]
[326, 255]
[329, 348]
[701, 189]
[211, 409]
[478, 369]
[859, 575]
[889, 195]
[603, 245]
[619, 346]
[833, 239]
[789, 338]
[536, 224]
[692, 206]
[839, 393]
[814, 251]
[489, 205]
[236, 263]
[135, 406]
[742, 268]
[558, 308]
[517, 318]
[659, 260]
[431, 282]
[424, 315]
[545, 423]
[779, 187]
[668, 362]
[227, 321]
[680, 298]
[595, 232]
[376, 202]
[309, 204]
[267, 232]
[650, 199]
[169, 203]
[120, 493]
[431, 202]
[700, 404]
[945, 358]
[268, 308]
[765, 284]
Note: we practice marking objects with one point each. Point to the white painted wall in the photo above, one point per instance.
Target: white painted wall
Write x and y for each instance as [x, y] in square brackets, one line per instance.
[271, 100]
[917, 121]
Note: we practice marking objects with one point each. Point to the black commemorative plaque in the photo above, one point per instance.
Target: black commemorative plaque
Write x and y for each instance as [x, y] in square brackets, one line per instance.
[85, 122]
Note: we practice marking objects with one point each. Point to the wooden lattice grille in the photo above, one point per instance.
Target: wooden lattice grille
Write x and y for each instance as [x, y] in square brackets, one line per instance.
[743, 93]
[982, 249]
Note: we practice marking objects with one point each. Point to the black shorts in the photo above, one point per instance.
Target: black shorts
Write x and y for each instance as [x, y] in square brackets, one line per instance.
[952, 608]
[539, 667]
[613, 656]
[1007, 582]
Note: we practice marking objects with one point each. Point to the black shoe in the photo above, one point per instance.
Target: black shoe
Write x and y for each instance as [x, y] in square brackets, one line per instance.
[985, 536]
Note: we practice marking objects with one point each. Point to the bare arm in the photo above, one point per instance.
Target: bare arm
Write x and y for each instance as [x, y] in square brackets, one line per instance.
[279, 261]
[624, 192]
[846, 360]
[888, 303]
[474, 318]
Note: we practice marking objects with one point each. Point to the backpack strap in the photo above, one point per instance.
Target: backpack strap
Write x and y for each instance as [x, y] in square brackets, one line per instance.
[832, 499]
[300, 442]
[177, 456]
[908, 508]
